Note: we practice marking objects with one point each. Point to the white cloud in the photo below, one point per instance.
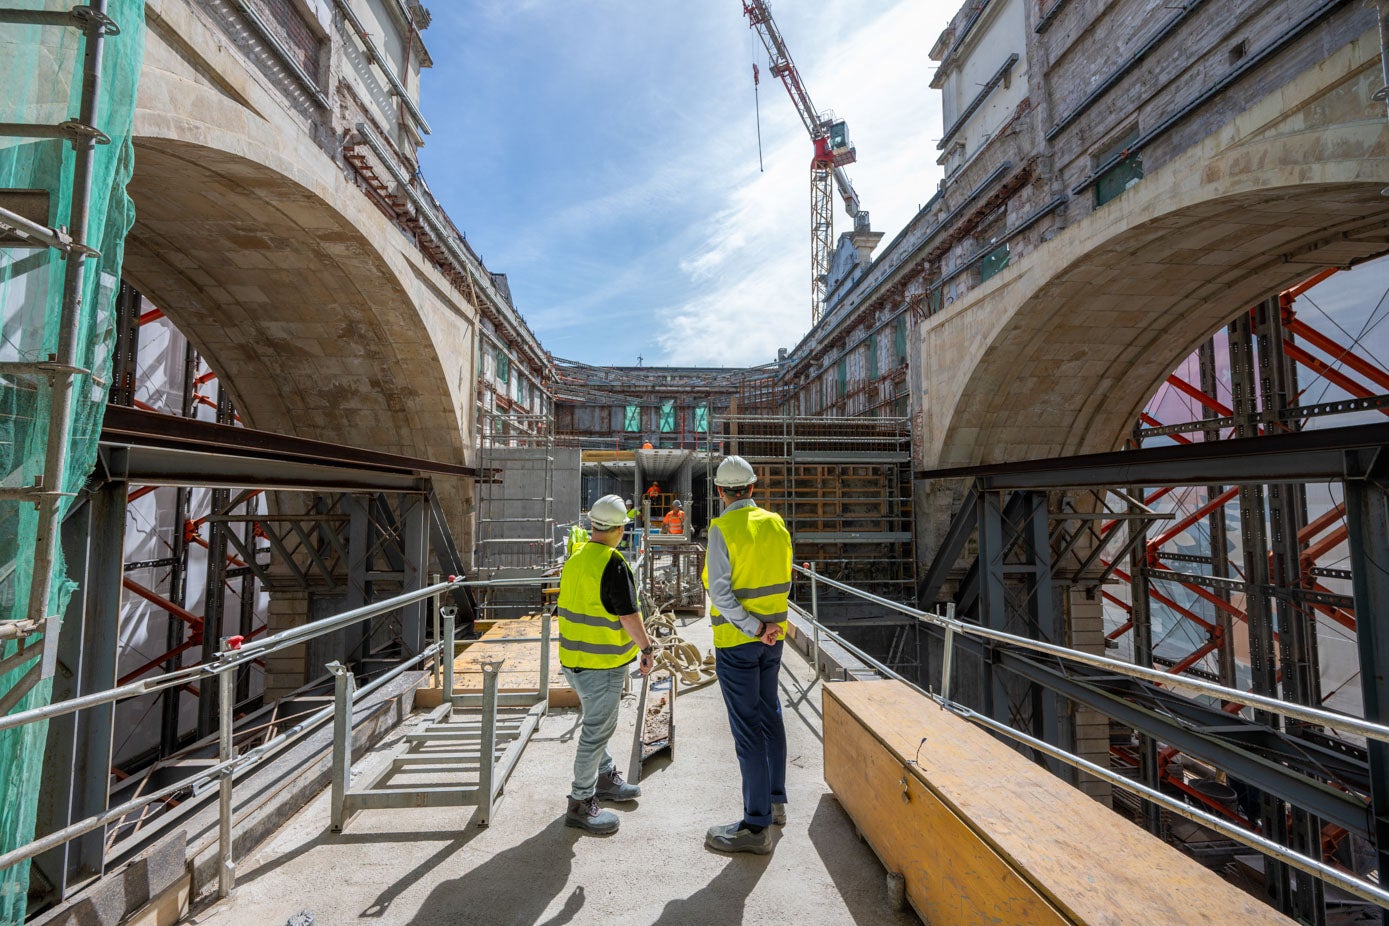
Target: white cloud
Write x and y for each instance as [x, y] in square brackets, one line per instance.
[748, 265]
[623, 195]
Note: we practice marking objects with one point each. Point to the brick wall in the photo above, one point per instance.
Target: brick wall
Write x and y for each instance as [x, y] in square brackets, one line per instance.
[291, 27]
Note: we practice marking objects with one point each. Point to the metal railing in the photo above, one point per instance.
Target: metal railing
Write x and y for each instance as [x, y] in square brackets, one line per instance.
[1365, 890]
[493, 772]
[233, 654]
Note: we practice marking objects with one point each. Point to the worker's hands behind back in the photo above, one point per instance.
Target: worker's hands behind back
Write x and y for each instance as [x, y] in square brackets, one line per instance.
[770, 634]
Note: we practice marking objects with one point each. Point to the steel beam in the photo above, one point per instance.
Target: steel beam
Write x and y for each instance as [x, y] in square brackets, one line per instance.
[1296, 457]
[1367, 515]
[77, 757]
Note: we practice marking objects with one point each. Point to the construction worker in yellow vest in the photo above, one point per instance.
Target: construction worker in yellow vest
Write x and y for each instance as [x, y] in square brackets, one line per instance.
[600, 635]
[747, 572]
[577, 538]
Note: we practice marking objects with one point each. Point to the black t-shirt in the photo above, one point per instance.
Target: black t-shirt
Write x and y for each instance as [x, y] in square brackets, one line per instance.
[618, 590]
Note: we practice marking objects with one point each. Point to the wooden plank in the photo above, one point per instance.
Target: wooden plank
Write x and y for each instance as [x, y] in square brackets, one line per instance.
[167, 909]
[1087, 862]
[951, 875]
[520, 672]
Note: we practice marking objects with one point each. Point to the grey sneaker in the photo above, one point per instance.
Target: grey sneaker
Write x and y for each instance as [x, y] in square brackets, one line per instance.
[779, 814]
[611, 787]
[586, 816]
[732, 838]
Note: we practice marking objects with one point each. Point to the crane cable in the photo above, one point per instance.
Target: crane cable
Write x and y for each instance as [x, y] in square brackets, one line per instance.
[756, 101]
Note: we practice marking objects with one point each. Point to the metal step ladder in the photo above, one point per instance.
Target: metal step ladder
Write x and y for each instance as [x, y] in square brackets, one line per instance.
[471, 741]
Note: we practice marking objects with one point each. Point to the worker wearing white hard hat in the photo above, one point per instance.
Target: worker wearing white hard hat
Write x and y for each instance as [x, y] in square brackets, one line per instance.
[600, 635]
[747, 571]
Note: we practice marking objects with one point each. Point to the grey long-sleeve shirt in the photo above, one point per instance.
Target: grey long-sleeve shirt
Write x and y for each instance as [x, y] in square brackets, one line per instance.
[721, 578]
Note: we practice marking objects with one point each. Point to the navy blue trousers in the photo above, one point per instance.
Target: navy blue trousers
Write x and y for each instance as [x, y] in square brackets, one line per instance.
[748, 679]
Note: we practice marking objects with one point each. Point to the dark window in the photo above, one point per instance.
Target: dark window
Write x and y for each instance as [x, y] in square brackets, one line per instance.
[1122, 173]
[993, 262]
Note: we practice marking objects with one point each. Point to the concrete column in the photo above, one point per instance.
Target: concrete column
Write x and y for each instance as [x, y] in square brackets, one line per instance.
[1085, 632]
[287, 669]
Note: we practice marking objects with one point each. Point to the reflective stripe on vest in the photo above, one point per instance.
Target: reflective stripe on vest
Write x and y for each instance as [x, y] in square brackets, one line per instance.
[759, 551]
[590, 637]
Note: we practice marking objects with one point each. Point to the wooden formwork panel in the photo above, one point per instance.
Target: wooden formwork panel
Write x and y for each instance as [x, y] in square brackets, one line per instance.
[981, 834]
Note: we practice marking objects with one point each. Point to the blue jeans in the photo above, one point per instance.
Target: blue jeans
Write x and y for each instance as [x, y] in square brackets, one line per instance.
[600, 692]
[748, 679]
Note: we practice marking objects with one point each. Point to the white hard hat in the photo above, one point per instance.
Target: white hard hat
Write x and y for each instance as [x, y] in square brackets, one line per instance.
[734, 473]
[676, 504]
[608, 512]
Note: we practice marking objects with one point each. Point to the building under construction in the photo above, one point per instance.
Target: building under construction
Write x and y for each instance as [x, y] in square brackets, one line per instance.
[1084, 470]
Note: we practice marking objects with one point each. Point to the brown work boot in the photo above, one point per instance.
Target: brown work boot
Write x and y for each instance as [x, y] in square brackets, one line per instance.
[585, 815]
[611, 787]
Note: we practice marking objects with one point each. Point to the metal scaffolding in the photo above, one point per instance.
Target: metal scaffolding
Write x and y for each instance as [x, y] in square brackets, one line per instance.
[515, 506]
[844, 487]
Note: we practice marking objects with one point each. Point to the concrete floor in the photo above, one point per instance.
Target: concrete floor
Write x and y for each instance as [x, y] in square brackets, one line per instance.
[424, 867]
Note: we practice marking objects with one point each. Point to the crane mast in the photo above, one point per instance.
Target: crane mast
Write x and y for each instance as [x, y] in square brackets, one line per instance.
[832, 150]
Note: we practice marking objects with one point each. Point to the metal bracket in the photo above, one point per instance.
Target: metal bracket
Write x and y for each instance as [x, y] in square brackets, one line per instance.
[93, 21]
[48, 666]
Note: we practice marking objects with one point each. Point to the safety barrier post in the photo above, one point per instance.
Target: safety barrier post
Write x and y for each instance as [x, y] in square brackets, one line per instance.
[487, 749]
[435, 674]
[545, 630]
[226, 865]
[450, 615]
[948, 652]
[815, 616]
[343, 686]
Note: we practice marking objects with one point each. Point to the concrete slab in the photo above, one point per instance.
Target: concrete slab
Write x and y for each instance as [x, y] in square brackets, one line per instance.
[423, 867]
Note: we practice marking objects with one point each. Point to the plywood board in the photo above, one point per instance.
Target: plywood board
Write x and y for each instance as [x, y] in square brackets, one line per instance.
[1089, 865]
[520, 671]
[951, 875]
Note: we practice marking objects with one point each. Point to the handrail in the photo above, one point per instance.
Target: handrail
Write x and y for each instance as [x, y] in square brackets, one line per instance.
[227, 661]
[1313, 715]
[1365, 890]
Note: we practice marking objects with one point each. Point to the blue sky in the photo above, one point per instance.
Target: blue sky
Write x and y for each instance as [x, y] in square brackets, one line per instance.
[603, 155]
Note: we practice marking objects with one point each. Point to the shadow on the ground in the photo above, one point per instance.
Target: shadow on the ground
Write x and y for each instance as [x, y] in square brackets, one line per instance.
[722, 900]
[328, 839]
[512, 888]
[803, 702]
[857, 874]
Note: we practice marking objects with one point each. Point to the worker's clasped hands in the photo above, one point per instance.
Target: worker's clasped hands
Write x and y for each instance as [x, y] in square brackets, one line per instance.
[770, 634]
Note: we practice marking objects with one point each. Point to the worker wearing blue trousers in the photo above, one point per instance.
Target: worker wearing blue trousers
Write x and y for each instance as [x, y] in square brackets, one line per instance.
[747, 572]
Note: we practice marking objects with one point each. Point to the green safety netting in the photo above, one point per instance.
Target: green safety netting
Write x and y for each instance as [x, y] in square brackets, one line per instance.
[40, 73]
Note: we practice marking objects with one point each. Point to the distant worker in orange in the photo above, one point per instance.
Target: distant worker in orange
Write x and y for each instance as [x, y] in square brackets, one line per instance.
[674, 521]
[653, 490]
[646, 445]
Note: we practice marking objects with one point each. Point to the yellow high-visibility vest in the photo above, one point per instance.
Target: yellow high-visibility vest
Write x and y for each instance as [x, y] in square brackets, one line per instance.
[590, 636]
[759, 549]
[577, 538]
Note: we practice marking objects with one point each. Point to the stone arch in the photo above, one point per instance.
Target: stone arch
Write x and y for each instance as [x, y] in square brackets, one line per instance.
[1057, 355]
[297, 313]
[295, 309]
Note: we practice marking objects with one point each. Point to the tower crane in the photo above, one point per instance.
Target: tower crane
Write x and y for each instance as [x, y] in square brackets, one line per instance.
[832, 151]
